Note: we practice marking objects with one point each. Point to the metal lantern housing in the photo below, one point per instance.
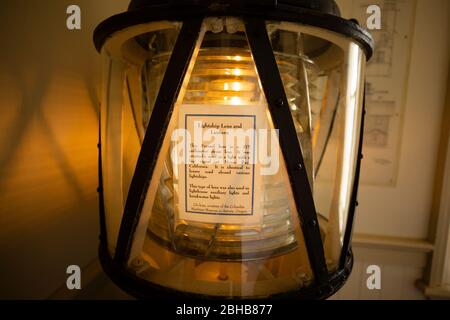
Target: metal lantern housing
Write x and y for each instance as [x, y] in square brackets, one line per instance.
[294, 66]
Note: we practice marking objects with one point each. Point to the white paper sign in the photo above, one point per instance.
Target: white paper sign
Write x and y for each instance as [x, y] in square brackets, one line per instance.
[219, 179]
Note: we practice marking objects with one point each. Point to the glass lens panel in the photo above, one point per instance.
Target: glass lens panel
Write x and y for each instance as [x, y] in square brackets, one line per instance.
[219, 217]
[322, 74]
[134, 64]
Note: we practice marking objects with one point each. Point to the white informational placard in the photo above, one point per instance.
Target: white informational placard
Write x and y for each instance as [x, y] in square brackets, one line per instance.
[219, 179]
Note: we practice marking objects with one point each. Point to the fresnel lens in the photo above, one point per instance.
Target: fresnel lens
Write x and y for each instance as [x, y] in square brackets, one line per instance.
[230, 147]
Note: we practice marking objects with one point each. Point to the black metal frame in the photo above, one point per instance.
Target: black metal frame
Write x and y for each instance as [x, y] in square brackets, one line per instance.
[325, 283]
[142, 289]
[278, 12]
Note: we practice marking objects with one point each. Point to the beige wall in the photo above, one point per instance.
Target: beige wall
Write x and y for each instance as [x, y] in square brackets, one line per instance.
[405, 207]
[393, 223]
[49, 85]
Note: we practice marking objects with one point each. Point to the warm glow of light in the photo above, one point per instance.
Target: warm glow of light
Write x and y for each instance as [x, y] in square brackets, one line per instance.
[236, 101]
[223, 79]
[236, 86]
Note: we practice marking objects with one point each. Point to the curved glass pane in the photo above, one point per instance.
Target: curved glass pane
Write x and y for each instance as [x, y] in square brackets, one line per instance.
[323, 76]
[135, 60]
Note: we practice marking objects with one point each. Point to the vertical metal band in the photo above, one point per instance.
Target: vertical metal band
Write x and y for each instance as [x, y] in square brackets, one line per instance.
[279, 109]
[154, 136]
[346, 246]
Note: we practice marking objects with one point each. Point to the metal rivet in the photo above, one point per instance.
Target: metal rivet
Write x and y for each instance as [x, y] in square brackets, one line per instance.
[299, 166]
[280, 103]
